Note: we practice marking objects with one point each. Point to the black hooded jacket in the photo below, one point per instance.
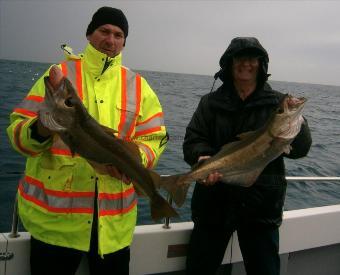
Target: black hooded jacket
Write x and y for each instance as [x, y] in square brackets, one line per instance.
[218, 119]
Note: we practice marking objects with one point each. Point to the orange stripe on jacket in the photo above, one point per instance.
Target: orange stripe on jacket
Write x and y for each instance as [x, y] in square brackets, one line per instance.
[62, 194]
[25, 112]
[148, 131]
[64, 68]
[125, 194]
[35, 98]
[53, 209]
[117, 212]
[160, 114]
[17, 132]
[79, 79]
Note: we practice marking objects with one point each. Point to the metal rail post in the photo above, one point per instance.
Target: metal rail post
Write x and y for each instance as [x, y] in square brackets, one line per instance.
[166, 224]
[15, 220]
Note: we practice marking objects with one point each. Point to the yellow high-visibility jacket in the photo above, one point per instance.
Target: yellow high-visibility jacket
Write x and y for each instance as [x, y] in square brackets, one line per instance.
[56, 196]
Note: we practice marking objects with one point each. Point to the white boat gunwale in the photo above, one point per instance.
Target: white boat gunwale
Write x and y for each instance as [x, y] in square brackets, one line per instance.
[157, 249]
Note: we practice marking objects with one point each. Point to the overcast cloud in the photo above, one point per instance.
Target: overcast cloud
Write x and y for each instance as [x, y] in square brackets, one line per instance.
[302, 37]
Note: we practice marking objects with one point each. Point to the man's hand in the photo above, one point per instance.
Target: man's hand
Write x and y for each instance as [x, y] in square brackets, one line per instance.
[42, 130]
[39, 132]
[211, 178]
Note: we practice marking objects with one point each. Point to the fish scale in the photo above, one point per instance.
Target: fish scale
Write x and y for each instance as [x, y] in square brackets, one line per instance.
[241, 162]
[65, 115]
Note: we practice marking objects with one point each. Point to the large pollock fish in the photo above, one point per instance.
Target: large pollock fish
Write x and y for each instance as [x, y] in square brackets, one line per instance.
[241, 162]
[64, 114]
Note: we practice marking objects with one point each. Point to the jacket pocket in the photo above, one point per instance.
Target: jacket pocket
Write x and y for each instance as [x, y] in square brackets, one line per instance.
[127, 119]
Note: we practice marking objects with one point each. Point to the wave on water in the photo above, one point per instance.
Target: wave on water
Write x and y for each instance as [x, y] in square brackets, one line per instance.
[179, 95]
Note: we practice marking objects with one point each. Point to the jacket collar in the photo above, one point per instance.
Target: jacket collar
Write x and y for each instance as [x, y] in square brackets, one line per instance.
[95, 60]
[226, 98]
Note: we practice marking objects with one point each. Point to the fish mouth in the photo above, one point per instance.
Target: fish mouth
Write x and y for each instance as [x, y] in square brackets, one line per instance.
[290, 104]
[295, 103]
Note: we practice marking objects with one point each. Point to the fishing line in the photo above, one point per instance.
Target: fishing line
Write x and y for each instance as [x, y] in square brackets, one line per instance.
[215, 78]
[231, 250]
[213, 84]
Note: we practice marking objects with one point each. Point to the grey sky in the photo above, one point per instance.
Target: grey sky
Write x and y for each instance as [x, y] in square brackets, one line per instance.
[302, 37]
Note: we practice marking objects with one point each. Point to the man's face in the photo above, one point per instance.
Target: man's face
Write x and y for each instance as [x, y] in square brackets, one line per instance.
[245, 68]
[108, 39]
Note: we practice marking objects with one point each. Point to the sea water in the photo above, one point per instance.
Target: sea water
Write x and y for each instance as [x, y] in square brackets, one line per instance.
[179, 95]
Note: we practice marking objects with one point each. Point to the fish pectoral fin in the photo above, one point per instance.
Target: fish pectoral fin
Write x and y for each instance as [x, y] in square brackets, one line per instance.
[243, 179]
[177, 186]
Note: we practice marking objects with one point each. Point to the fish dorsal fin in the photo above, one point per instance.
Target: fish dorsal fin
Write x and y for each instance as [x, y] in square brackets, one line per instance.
[243, 178]
[244, 138]
[246, 135]
[229, 147]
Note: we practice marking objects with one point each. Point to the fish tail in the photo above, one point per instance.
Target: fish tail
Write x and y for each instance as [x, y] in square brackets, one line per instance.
[160, 208]
[177, 186]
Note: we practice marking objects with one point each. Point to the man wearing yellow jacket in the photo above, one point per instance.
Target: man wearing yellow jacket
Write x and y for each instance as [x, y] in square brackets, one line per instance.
[68, 208]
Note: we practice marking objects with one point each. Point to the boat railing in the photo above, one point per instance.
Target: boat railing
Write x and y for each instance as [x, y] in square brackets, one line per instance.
[15, 219]
[288, 178]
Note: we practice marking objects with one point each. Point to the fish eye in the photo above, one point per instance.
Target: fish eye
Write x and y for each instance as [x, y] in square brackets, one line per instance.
[68, 102]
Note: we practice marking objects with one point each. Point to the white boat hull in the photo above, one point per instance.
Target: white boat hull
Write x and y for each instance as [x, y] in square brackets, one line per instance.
[309, 244]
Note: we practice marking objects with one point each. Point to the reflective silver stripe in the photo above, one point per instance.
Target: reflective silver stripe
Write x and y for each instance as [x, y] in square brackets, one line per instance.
[71, 72]
[58, 143]
[131, 101]
[149, 154]
[117, 204]
[30, 105]
[155, 122]
[49, 200]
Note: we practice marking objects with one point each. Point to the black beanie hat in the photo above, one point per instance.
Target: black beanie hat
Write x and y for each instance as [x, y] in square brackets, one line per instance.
[108, 15]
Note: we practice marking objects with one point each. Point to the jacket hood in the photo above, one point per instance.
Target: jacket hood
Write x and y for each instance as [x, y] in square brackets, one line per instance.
[240, 46]
[243, 44]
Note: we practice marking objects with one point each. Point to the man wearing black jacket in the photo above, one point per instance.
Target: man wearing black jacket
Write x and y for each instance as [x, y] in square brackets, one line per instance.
[244, 102]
